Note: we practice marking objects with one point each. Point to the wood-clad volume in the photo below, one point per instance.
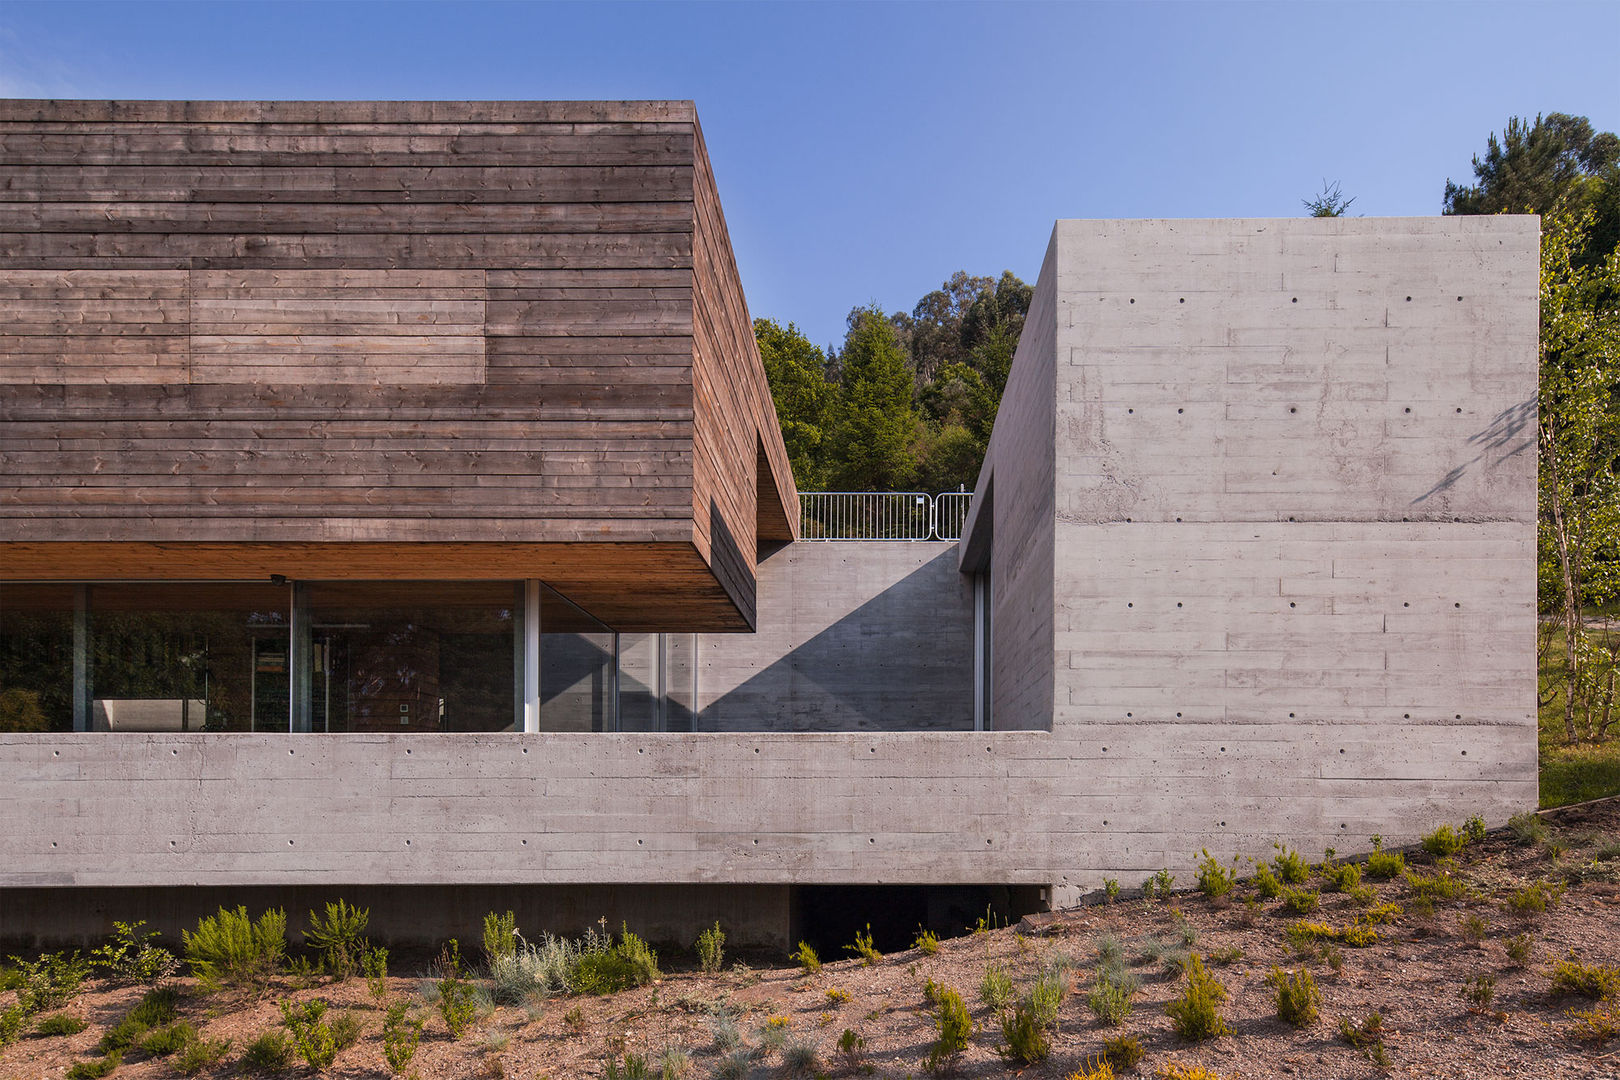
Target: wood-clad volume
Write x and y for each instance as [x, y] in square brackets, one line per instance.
[382, 339]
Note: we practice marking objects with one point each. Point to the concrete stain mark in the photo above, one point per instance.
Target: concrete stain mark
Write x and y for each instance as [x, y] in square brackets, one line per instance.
[1502, 439]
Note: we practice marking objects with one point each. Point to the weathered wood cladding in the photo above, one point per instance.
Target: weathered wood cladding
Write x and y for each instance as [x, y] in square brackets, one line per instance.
[388, 323]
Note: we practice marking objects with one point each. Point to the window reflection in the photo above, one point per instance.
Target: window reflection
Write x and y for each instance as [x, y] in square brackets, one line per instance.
[577, 685]
[36, 658]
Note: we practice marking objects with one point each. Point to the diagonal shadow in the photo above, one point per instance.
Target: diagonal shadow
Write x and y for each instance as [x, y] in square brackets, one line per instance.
[1503, 439]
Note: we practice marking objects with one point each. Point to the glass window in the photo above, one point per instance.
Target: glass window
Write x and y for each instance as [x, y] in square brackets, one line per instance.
[411, 656]
[36, 657]
[577, 668]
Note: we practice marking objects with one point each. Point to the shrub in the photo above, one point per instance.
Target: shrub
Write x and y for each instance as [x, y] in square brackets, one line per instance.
[543, 967]
[1023, 1039]
[1473, 928]
[1164, 884]
[401, 1032]
[1595, 1025]
[1444, 842]
[1098, 1069]
[1231, 954]
[996, 988]
[1361, 895]
[1298, 999]
[723, 1026]
[1591, 981]
[163, 1041]
[49, 982]
[735, 1065]
[1366, 1037]
[851, 1045]
[1124, 1052]
[1215, 880]
[711, 949]
[1478, 992]
[674, 1062]
[1341, 877]
[1441, 886]
[12, 1022]
[635, 1067]
[340, 937]
[1194, 1015]
[1249, 913]
[801, 1056]
[621, 965]
[1528, 828]
[863, 948]
[1291, 866]
[1518, 948]
[269, 1054]
[457, 1003]
[1384, 865]
[773, 1034]
[1110, 999]
[1300, 901]
[1265, 882]
[95, 1070]
[200, 1054]
[130, 956]
[806, 958]
[157, 1007]
[1474, 830]
[837, 996]
[59, 1024]
[231, 948]
[374, 966]
[1111, 889]
[1045, 997]
[1175, 1070]
[927, 942]
[1535, 899]
[1382, 915]
[500, 935]
[311, 1035]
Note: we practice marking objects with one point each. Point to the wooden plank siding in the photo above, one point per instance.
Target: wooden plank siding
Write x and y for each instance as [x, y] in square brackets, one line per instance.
[380, 339]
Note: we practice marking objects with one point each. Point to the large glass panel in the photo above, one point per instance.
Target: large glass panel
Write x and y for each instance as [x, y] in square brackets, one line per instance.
[639, 692]
[36, 658]
[680, 681]
[412, 655]
[576, 668]
[174, 657]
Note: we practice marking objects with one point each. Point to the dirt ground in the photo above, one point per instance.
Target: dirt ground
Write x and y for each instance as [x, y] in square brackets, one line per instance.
[1413, 976]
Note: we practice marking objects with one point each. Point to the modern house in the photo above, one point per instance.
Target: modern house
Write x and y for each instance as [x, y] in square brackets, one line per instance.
[392, 506]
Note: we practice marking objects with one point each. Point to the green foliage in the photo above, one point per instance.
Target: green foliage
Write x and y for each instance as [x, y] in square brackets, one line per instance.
[50, 981]
[1535, 898]
[1109, 998]
[870, 957]
[622, 965]
[1518, 948]
[1528, 828]
[1300, 901]
[1331, 202]
[1195, 1014]
[1291, 866]
[1231, 954]
[1587, 980]
[12, 1021]
[500, 935]
[229, 948]
[1266, 883]
[996, 988]
[94, 1070]
[1384, 865]
[1215, 880]
[1123, 1053]
[927, 942]
[130, 955]
[711, 949]
[163, 1041]
[199, 1055]
[1441, 886]
[1444, 842]
[1596, 1026]
[59, 1024]
[850, 1045]
[1298, 999]
[1163, 884]
[374, 966]
[269, 1054]
[1474, 829]
[457, 1001]
[806, 958]
[875, 422]
[1341, 877]
[340, 937]
[401, 1032]
[723, 1027]
[1024, 1040]
[1479, 992]
[635, 1067]
[953, 1028]
[1367, 1037]
[157, 1007]
[311, 1035]
[1045, 996]
[1111, 889]
[734, 1065]
[1473, 928]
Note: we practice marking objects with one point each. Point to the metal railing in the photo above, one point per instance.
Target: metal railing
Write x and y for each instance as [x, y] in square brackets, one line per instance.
[882, 515]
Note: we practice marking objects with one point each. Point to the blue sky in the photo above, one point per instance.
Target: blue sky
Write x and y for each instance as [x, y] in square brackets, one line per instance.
[866, 151]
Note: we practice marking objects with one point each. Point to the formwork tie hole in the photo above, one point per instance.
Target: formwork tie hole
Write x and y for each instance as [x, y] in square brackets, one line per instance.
[1183, 300]
[987, 839]
[525, 843]
[1459, 299]
[640, 842]
[756, 749]
[1295, 300]
[1291, 603]
[1128, 604]
[1223, 749]
[871, 749]
[525, 749]
[1133, 299]
[407, 843]
[756, 843]
[1341, 749]
[1465, 753]
[1405, 604]
[174, 752]
[1407, 409]
[1178, 716]
[53, 843]
[56, 753]
[1178, 520]
[1290, 716]
[1408, 299]
[1178, 603]
[1105, 821]
[1456, 605]
[1130, 410]
[871, 839]
[1457, 717]
[1459, 409]
[171, 843]
[1406, 716]
[641, 749]
[289, 843]
[1179, 411]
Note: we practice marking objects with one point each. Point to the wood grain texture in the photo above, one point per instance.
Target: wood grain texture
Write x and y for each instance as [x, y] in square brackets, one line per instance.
[377, 323]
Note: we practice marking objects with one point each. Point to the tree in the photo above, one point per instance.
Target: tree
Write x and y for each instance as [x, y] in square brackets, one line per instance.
[936, 324]
[1579, 438]
[804, 398]
[1330, 203]
[876, 425]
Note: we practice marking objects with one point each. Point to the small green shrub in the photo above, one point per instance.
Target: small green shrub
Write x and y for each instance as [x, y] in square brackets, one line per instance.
[401, 1032]
[1024, 1040]
[500, 935]
[230, 948]
[711, 949]
[271, 1053]
[374, 966]
[1298, 999]
[59, 1024]
[1109, 998]
[1231, 954]
[1122, 1053]
[850, 1045]
[1291, 866]
[953, 1028]
[1444, 842]
[1366, 1037]
[1361, 895]
[458, 1005]
[996, 988]
[1479, 992]
[1528, 828]
[1164, 884]
[735, 1065]
[1214, 879]
[1596, 1026]
[12, 1021]
[927, 942]
[674, 1062]
[1384, 865]
[198, 1055]
[1474, 830]
[806, 958]
[130, 955]
[311, 1035]
[1300, 901]
[1111, 889]
[870, 957]
[157, 1007]
[1341, 877]
[1535, 899]
[1587, 980]
[1518, 948]
[340, 937]
[163, 1041]
[95, 1070]
[622, 965]
[1045, 997]
[50, 981]
[1441, 886]
[723, 1027]
[1195, 1014]
[1266, 883]
[1473, 927]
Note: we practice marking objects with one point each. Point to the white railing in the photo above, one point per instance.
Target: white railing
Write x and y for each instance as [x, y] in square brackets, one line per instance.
[882, 515]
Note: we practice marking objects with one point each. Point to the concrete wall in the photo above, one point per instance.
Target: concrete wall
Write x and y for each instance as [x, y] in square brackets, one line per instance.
[853, 636]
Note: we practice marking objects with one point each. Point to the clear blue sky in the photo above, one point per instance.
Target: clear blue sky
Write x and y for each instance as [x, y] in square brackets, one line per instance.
[865, 151]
